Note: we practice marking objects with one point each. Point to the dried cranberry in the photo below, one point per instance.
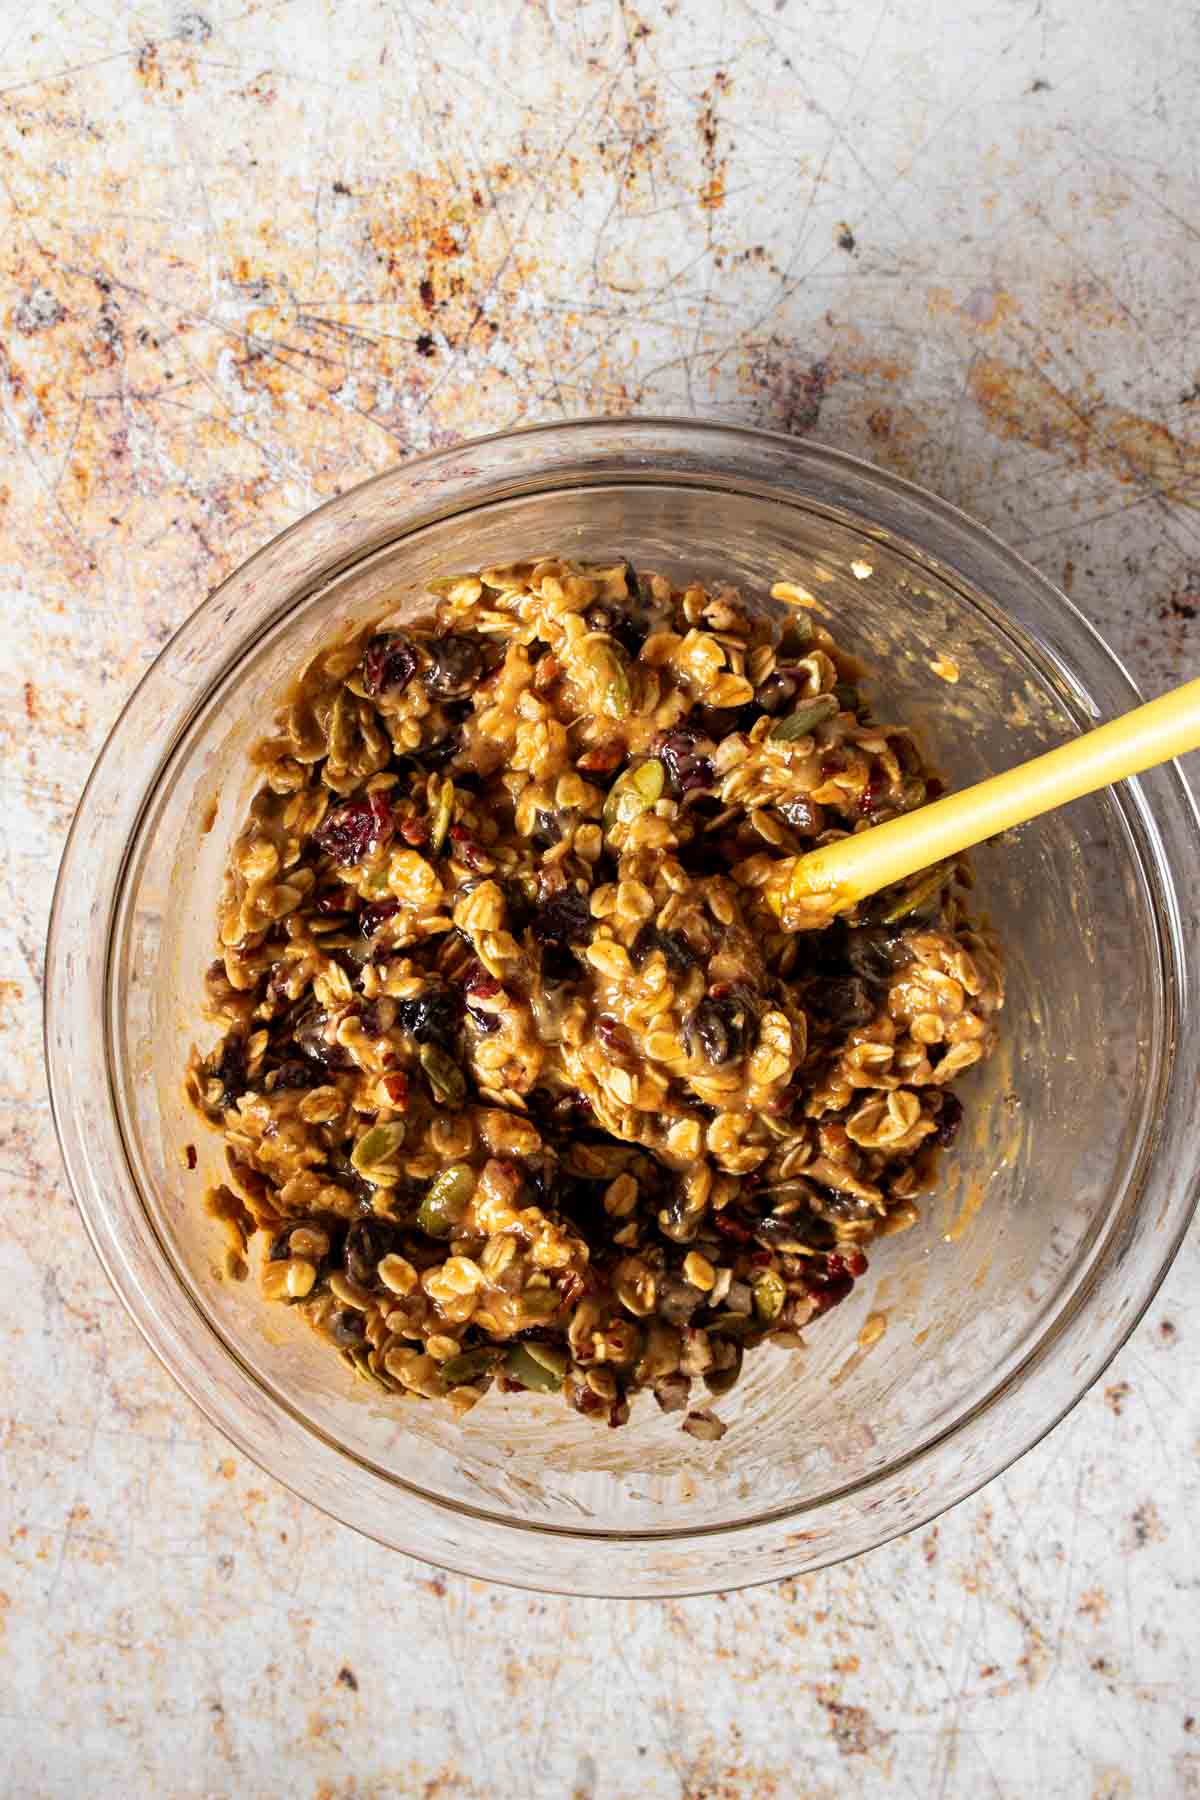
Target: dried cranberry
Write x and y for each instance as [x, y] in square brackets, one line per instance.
[454, 667]
[413, 830]
[356, 828]
[831, 1294]
[563, 919]
[465, 847]
[732, 1228]
[373, 916]
[873, 794]
[477, 981]
[949, 1120]
[335, 898]
[389, 664]
[613, 1036]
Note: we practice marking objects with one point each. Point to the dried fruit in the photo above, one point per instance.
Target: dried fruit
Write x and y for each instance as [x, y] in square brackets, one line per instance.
[431, 1017]
[356, 829]
[720, 1024]
[685, 753]
[389, 663]
[565, 918]
[454, 667]
[680, 957]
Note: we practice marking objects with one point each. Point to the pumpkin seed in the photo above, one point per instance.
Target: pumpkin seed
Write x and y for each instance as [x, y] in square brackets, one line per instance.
[557, 1361]
[447, 1082]
[808, 715]
[440, 815]
[372, 1156]
[523, 1366]
[634, 792]
[471, 1364]
[538, 1304]
[798, 632]
[917, 894]
[446, 1200]
[769, 1296]
[608, 675]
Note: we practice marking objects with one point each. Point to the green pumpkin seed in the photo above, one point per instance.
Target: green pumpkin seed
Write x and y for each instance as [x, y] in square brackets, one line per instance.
[769, 1296]
[373, 1155]
[557, 1361]
[470, 1365]
[524, 1367]
[608, 675]
[798, 632]
[447, 1082]
[914, 897]
[446, 1200]
[808, 715]
[538, 1304]
[441, 812]
[634, 792]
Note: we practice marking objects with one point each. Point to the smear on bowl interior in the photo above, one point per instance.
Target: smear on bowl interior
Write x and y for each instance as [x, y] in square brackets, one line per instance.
[527, 1076]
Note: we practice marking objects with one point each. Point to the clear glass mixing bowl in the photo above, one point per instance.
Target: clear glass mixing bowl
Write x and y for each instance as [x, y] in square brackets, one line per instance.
[1075, 1174]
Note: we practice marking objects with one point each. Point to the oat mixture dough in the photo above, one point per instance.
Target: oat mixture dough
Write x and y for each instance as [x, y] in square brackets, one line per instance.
[532, 1072]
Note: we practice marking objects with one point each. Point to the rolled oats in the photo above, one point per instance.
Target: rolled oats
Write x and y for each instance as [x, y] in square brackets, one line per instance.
[530, 1071]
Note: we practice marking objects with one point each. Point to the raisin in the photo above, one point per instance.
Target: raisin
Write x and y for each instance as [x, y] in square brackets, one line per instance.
[875, 953]
[356, 828]
[296, 1074]
[484, 1022]
[431, 1017]
[368, 1241]
[616, 622]
[454, 667]
[949, 1120]
[231, 1070]
[718, 1026]
[841, 1003]
[683, 753]
[679, 955]
[349, 1328]
[389, 663]
[563, 919]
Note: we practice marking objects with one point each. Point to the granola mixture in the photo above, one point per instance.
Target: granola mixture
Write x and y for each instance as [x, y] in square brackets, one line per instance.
[532, 1070]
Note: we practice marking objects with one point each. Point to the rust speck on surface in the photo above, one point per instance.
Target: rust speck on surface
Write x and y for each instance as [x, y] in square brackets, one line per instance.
[1116, 1395]
[1023, 403]
[854, 1731]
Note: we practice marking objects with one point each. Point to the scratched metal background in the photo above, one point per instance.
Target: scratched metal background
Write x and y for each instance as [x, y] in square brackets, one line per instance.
[254, 251]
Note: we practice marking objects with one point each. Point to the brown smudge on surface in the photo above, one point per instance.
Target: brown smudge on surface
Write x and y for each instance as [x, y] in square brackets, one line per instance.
[347, 1678]
[1116, 1395]
[854, 1731]
[1022, 402]
[1093, 1604]
[1145, 1527]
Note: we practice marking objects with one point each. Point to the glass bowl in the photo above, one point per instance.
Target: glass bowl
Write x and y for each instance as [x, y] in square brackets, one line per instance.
[1075, 1174]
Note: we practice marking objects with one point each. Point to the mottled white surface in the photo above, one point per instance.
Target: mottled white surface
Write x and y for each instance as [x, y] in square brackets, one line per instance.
[253, 252]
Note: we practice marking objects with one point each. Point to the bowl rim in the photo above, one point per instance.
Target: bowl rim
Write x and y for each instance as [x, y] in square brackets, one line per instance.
[637, 1578]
